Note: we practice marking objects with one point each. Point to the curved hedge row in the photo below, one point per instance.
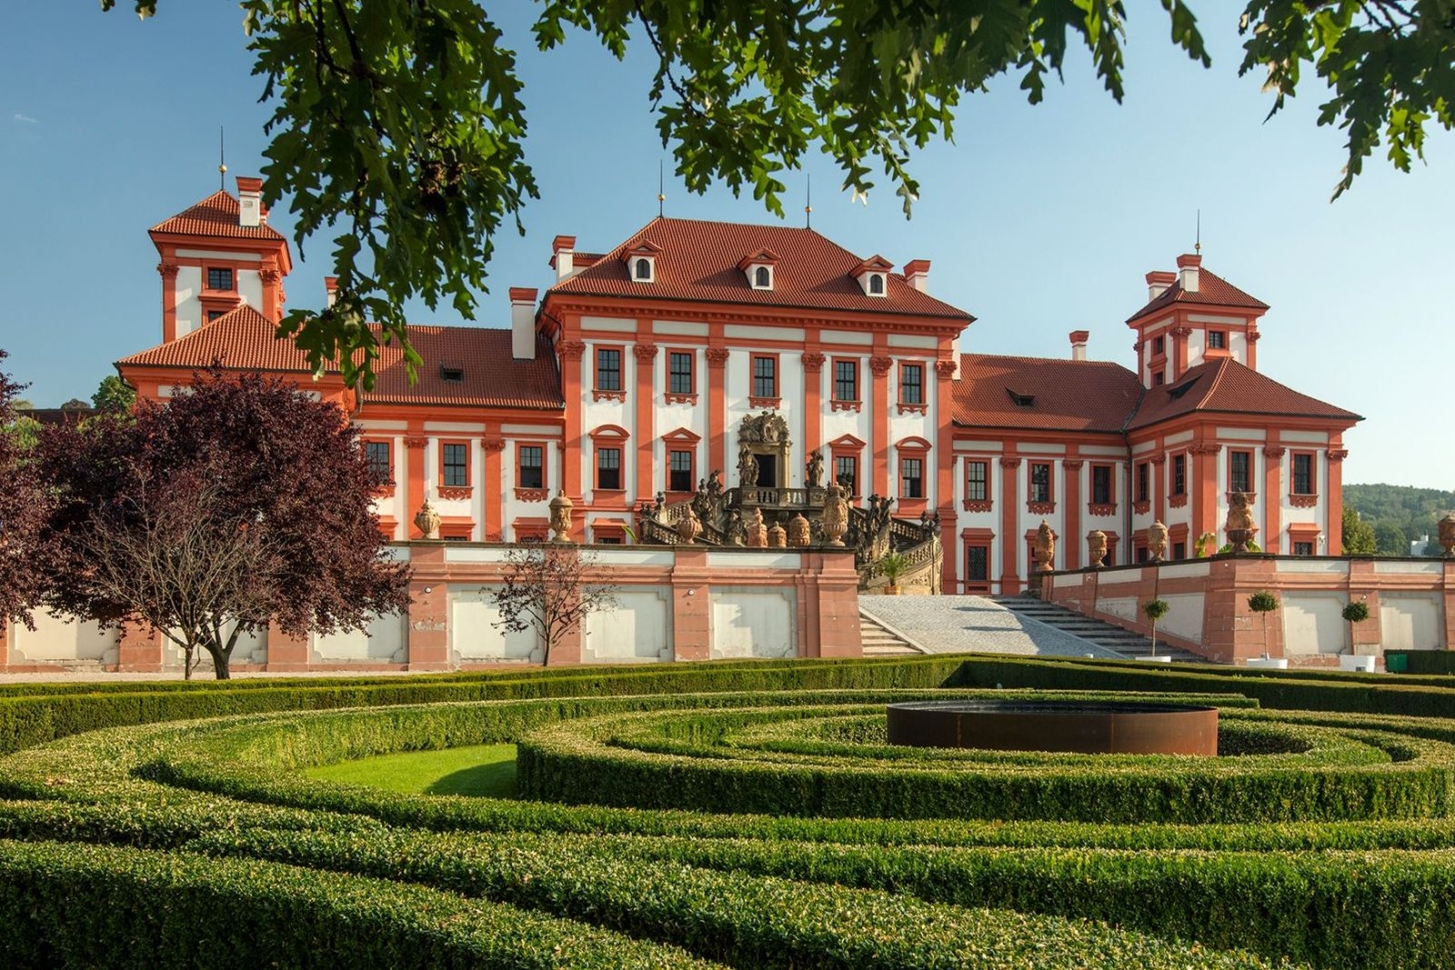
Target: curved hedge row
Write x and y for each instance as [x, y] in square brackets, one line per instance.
[681, 888]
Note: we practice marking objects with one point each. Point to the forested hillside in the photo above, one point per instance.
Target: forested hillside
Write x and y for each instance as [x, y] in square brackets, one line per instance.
[1398, 514]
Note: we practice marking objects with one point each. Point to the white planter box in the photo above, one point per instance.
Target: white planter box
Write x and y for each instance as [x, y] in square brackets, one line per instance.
[1363, 662]
[1160, 658]
[1269, 663]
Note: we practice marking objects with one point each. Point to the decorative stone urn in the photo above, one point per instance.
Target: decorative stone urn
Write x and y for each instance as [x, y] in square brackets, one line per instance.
[1239, 527]
[689, 527]
[561, 507]
[835, 515]
[777, 536]
[428, 521]
[755, 536]
[1447, 535]
[1096, 546]
[1157, 542]
[1045, 547]
[798, 531]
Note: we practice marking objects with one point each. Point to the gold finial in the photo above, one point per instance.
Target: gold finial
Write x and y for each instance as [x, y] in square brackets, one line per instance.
[1197, 246]
[661, 198]
[221, 158]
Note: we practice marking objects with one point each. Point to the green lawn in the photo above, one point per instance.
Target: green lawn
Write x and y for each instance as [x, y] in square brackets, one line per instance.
[482, 770]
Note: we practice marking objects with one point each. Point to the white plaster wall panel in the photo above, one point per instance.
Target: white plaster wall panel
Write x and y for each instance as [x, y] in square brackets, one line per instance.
[637, 631]
[1409, 621]
[250, 648]
[455, 427]
[378, 426]
[1065, 580]
[757, 562]
[189, 310]
[854, 338]
[1312, 623]
[1184, 616]
[1177, 439]
[383, 641]
[476, 634]
[1109, 451]
[1304, 437]
[680, 328]
[738, 331]
[1238, 346]
[609, 324]
[1119, 577]
[455, 553]
[219, 254]
[1243, 434]
[532, 430]
[1432, 568]
[753, 622]
[1196, 348]
[250, 288]
[1188, 570]
[58, 639]
[1040, 448]
[1124, 607]
[1328, 567]
[987, 447]
[624, 556]
[914, 340]
[1216, 318]
[397, 553]
[1143, 447]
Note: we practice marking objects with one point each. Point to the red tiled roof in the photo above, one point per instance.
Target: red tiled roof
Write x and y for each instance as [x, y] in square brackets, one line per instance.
[699, 261]
[1212, 290]
[215, 215]
[1226, 385]
[1066, 395]
[243, 339]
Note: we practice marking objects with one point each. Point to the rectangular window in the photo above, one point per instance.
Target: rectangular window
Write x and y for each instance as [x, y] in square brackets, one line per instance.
[1239, 466]
[456, 467]
[679, 373]
[846, 380]
[456, 537]
[214, 314]
[1143, 482]
[532, 467]
[1217, 340]
[1158, 379]
[608, 369]
[679, 471]
[977, 564]
[1159, 346]
[911, 478]
[911, 384]
[608, 468]
[765, 377]
[1303, 473]
[1179, 550]
[1179, 475]
[846, 473]
[219, 278]
[977, 481]
[1303, 548]
[1101, 493]
[381, 467]
[1040, 482]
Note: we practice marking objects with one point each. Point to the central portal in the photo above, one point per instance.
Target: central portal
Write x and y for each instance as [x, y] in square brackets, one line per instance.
[768, 472]
[763, 448]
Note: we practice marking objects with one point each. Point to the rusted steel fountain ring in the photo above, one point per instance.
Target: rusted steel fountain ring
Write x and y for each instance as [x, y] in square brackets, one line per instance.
[1068, 726]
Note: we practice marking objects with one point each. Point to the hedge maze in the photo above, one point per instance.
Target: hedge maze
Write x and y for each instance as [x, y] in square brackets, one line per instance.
[726, 815]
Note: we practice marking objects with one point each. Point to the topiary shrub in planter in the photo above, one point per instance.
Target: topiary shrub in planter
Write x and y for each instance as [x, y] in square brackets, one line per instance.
[1355, 611]
[1263, 602]
[1155, 610]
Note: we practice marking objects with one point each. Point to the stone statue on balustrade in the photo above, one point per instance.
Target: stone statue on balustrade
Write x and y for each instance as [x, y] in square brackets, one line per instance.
[814, 470]
[747, 467]
[756, 534]
[1044, 548]
[710, 497]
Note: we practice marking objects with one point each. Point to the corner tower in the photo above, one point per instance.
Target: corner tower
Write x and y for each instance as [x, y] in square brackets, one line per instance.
[217, 255]
[1193, 317]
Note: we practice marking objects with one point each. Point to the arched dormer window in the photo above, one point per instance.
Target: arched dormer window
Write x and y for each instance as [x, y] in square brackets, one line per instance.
[642, 270]
[872, 274]
[763, 278]
[876, 284]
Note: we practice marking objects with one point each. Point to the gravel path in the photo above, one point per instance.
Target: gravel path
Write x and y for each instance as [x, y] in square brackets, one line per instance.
[974, 624]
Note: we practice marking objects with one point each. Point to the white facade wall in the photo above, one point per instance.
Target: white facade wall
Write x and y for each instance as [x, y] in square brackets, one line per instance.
[189, 310]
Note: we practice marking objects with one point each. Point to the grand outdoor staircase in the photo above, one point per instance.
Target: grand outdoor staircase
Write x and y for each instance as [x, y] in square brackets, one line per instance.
[881, 641]
[1093, 631]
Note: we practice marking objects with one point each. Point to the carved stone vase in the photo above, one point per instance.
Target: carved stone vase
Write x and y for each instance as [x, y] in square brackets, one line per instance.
[1447, 535]
[777, 537]
[799, 531]
[561, 507]
[689, 527]
[1096, 547]
[1157, 542]
[755, 535]
[1045, 547]
[428, 521]
[835, 515]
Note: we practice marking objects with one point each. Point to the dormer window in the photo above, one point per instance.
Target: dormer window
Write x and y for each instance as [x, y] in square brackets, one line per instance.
[452, 373]
[1021, 400]
[763, 278]
[641, 261]
[758, 268]
[873, 276]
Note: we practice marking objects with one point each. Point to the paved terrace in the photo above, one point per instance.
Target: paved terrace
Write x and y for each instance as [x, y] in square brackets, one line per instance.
[974, 624]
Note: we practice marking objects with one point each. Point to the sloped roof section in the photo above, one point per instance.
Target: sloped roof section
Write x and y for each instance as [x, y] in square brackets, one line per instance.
[215, 215]
[1212, 290]
[242, 339]
[1225, 385]
[1064, 395]
[699, 261]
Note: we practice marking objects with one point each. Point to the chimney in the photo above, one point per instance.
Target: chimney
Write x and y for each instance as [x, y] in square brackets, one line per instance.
[250, 201]
[1189, 270]
[523, 322]
[1158, 281]
[330, 287]
[564, 250]
[1078, 344]
[917, 274]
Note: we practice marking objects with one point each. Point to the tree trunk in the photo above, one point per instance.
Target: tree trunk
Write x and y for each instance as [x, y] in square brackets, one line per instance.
[220, 662]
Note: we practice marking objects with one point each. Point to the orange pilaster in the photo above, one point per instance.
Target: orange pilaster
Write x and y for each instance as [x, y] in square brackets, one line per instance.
[691, 605]
[880, 365]
[1334, 528]
[168, 271]
[646, 430]
[493, 528]
[1071, 547]
[1272, 540]
[286, 652]
[414, 446]
[571, 353]
[139, 649]
[1009, 541]
[1159, 486]
[1205, 502]
[813, 362]
[717, 456]
[945, 443]
[429, 609]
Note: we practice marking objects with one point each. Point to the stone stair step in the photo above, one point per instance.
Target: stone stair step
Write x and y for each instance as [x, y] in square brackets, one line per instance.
[1092, 630]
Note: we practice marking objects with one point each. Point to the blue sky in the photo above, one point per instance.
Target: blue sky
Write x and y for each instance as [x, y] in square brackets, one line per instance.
[1038, 220]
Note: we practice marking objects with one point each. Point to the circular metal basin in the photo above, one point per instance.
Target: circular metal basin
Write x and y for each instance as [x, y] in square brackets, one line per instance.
[1110, 727]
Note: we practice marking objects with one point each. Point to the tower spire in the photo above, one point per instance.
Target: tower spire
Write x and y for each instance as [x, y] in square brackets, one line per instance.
[221, 158]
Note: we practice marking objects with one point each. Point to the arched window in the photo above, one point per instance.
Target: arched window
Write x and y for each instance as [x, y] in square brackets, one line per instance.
[876, 285]
[643, 269]
[762, 278]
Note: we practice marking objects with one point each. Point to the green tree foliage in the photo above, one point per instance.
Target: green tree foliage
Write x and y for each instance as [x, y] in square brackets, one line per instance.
[1359, 537]
[1391, 540]
[24, 552]
[1399, 514]
[398, 126]
[113, 395]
